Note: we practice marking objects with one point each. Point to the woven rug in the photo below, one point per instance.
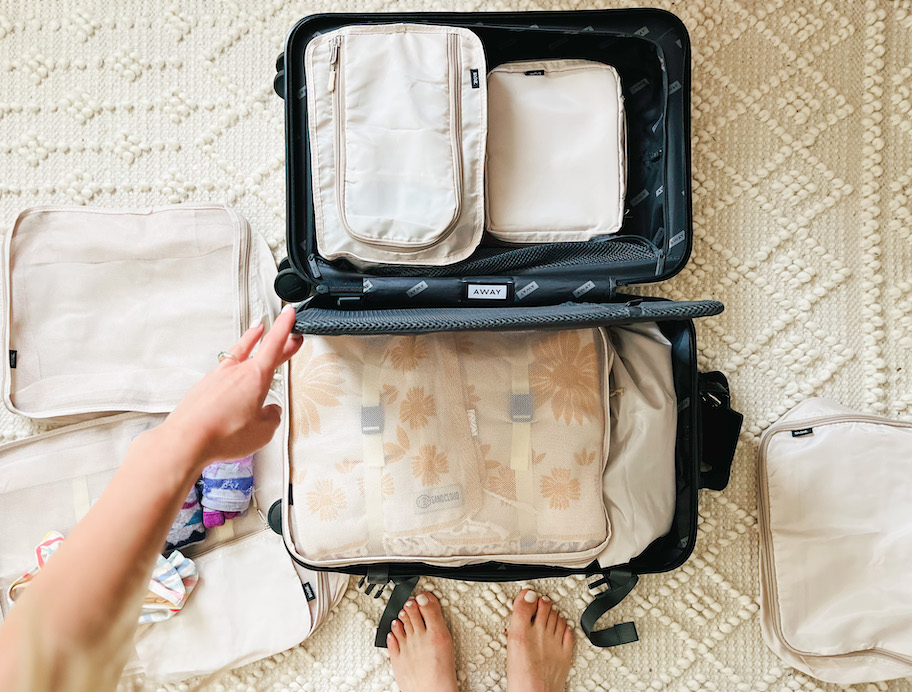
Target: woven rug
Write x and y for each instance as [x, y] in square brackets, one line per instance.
[802, 163]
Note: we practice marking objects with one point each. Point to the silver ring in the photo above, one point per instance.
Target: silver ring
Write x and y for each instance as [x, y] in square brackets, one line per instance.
[225, 354]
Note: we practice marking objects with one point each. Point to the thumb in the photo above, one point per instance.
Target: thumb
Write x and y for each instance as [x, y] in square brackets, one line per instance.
[271, 413]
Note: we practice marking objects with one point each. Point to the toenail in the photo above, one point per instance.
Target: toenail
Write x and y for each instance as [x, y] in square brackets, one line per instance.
[409, 603]
[546, 599]
[401, 613]
[530, 596]
[422, 600]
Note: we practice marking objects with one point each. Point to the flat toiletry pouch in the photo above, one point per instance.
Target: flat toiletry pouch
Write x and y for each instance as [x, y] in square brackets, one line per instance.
[555, 167]
[835, 547]
[433, 447]
[639, 481]
[115, 310]
[397, 119]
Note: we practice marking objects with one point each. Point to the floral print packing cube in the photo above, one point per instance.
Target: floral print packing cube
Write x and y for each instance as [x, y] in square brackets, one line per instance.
[450, 448]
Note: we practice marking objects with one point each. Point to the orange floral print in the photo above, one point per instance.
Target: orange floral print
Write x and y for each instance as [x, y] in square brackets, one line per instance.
[326, 501]
[407, 353]
[389, 394]
[394, 451]
[584, 457]
[560, 488]
[471, 397]
[538, 458]
[417, 407]
[429, 465]
[501, 481]
[346, 466]
[566, 374]
[314, 382]
[464, 345]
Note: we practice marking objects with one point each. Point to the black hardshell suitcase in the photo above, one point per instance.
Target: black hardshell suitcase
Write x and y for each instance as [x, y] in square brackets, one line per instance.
[558, 285]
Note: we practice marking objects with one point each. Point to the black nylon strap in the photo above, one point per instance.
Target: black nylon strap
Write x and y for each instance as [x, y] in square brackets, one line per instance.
[396, 602]
[620, 584]
[721, 428]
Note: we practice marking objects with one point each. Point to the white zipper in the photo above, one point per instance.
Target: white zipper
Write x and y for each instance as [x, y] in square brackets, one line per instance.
[245, 244]
[766, 539]
[336, 86]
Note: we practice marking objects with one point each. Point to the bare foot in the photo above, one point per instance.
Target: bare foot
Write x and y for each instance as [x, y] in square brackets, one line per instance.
[539, 646]
[421, 648]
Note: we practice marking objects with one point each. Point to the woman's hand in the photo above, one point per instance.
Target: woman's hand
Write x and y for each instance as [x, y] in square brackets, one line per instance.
[222, 417]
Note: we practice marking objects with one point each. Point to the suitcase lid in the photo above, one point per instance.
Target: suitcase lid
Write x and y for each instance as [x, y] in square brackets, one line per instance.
[651, 51]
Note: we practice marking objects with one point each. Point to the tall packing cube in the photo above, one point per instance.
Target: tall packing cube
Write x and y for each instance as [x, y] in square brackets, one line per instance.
[479, 399]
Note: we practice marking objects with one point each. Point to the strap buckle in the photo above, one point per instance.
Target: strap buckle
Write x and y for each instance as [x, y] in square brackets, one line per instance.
[618, 583]
[372, 419]
[521, 409]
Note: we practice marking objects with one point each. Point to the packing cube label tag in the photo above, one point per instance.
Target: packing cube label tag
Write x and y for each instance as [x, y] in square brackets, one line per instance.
[435, 499]
[308, 591]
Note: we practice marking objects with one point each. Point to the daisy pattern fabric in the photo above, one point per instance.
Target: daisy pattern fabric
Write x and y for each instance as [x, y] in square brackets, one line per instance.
[450, 447]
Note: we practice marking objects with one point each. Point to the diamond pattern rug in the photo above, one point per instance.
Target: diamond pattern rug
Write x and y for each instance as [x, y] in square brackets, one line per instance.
[802, 165]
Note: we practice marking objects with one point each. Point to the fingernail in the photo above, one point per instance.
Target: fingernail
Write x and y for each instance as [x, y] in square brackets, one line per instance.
[422, 600]
[530, 597]
[409, 603]
[288, 308]
[546, 599]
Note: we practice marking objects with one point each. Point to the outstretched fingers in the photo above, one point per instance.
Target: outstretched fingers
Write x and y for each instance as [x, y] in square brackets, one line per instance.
[278, 345]
[241, 350]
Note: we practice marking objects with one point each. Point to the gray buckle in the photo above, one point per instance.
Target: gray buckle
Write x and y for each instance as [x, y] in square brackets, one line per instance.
[521, 408]
[372, 419]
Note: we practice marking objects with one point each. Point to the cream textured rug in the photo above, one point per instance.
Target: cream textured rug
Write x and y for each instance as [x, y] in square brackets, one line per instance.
[802, 161]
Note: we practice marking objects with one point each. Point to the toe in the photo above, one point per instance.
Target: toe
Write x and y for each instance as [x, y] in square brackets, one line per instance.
[406, 622]
[430, 611]
[524, 607]
[392, 644]
[542, 611]
[559, 629]
[567, 641]
[553, 618]
[414, 614]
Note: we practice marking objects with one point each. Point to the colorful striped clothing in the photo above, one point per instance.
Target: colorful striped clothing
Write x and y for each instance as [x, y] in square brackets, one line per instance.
[187, 528]
[226, 488]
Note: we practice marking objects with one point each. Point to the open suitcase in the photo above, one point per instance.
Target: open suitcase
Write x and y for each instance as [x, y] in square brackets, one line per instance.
[558, 285]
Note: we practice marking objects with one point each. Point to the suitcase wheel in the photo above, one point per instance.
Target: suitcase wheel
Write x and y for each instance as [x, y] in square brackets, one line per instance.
[274, 517]
[291, 287]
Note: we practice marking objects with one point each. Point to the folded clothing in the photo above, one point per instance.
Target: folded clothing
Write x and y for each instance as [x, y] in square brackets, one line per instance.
[226, 488]
[187, 527]
[449, 447]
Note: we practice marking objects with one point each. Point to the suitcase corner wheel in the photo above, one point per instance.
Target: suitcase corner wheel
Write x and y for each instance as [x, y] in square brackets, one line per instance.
[274, 517]
[290, 286]
[278, 83]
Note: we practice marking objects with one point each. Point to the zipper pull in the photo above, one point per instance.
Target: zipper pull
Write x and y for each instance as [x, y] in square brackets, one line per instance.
[333, 61]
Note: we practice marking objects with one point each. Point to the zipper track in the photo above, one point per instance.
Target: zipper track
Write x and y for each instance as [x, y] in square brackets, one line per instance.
[337, 86]
[766, 539]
